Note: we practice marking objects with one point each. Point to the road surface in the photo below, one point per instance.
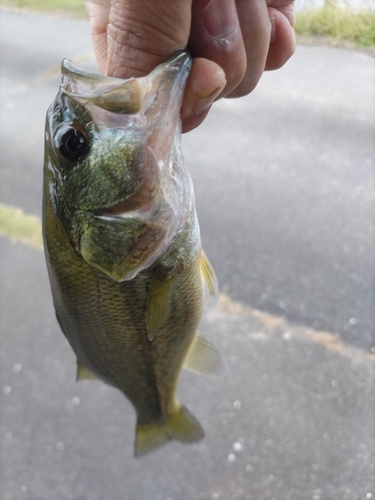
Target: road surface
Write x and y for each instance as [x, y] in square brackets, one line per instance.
[284, 184]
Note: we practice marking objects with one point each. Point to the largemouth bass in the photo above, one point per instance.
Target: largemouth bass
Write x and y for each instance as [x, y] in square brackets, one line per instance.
[122, 241]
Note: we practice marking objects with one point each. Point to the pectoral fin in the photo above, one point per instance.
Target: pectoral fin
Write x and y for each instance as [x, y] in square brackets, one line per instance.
[181, 426]
[158, 302]
[204, 358]
[209, 278]
[83, 373]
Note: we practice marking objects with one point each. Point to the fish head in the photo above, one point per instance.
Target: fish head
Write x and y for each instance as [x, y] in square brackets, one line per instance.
[115, 175]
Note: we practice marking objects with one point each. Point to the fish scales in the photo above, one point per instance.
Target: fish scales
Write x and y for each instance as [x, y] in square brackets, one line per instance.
[122, 242]
[88, 302]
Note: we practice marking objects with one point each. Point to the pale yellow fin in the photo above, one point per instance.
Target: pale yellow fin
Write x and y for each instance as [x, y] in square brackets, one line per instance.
[83, 373]
[158, 303]
[204, 358]
[181, 426]
[209, 278]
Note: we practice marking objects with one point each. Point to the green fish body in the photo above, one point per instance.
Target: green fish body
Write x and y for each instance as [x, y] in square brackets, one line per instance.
[122, 241]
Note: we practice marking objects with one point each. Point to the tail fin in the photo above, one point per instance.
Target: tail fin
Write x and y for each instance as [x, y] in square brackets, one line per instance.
[181, 426]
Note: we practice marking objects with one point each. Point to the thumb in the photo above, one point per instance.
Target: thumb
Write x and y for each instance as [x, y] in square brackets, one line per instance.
[131, 37]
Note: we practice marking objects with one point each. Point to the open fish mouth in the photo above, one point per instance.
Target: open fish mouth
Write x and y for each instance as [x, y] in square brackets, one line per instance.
[125, 97]
[141, 114]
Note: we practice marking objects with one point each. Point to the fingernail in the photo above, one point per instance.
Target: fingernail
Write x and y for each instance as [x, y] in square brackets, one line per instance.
[204, 103]
[273, 28]
[219, 17]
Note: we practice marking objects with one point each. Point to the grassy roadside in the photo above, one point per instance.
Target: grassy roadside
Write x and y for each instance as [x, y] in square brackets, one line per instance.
[72, 8]
[339, 24]
[20, 227]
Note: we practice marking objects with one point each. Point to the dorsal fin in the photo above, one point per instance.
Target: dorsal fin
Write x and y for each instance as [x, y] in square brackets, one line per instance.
[209, 278]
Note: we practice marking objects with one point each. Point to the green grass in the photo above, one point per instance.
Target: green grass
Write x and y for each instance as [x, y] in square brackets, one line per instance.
[74, 8]
[339, 23]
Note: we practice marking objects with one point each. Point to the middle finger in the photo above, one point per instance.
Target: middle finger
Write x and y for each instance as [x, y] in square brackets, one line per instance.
[256, 32]
[216, 35]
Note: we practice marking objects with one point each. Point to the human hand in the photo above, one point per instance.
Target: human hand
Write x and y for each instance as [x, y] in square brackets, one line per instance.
[232, 42]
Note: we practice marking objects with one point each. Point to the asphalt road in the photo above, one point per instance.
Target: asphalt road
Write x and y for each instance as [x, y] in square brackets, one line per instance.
[285, 189]
[284, 183]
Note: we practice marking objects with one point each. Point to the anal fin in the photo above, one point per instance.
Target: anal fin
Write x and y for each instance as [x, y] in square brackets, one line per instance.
[209, 278]
[83, 373]
[204, 358]
[181, 426]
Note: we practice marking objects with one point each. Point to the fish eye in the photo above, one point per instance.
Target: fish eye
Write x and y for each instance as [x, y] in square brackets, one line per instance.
[71, 143]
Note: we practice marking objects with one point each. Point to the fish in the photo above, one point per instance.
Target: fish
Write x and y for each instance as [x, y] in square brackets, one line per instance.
[122, 242]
